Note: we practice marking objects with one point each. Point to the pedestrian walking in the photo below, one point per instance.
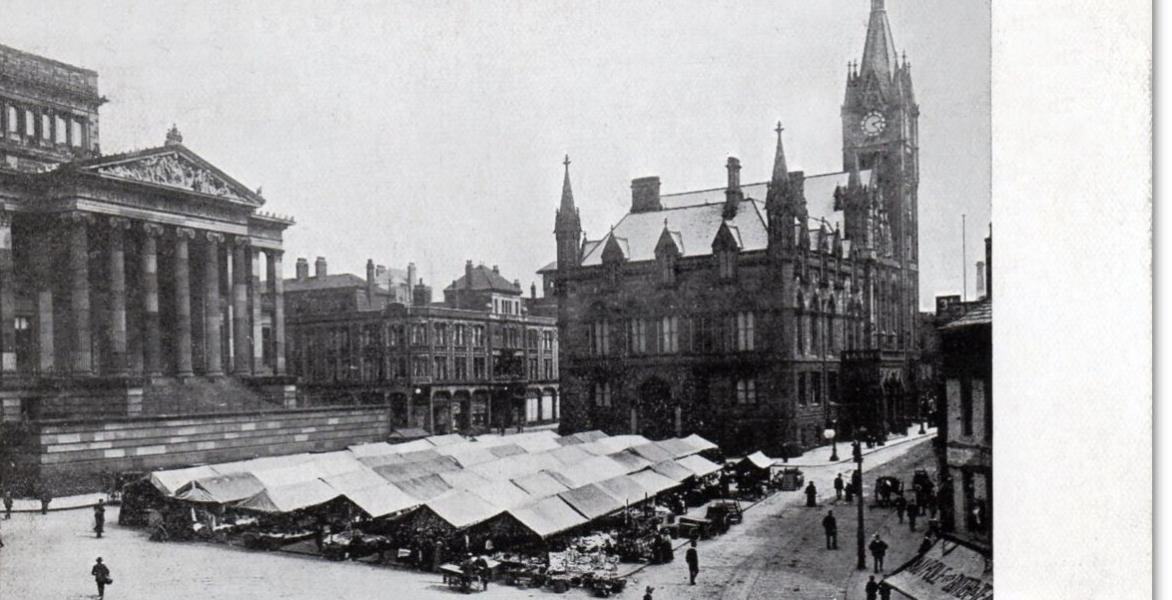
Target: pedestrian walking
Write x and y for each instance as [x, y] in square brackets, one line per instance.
[838, 485]
[693, 561]
[647, 594]
[913, 511]
[99, 517]
[46, 498]
[900, 506]
[925, 545]
[101, 575]
[884, 592]
[872, 588]
[830, 525]
[811, 494]
[7, 504]
[933, 505]
[878, 551]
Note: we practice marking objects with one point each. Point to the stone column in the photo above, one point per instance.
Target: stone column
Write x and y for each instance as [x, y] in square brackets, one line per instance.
[242, 353]
[152, 348]
[44, 276]
[182, 303]
[255, 299]
[277, 287]
[116, 328]
[212, 314]
[7, 297]
[81, 357]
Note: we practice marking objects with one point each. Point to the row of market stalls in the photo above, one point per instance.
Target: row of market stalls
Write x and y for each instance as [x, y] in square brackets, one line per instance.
[514, 490]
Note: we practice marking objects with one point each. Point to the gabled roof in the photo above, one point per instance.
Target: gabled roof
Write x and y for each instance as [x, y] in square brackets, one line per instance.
[327, 282]
[172, 167]
[484, 279]
[980, 313]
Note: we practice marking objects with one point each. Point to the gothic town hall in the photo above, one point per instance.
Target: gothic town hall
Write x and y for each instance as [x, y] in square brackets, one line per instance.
[757, 313]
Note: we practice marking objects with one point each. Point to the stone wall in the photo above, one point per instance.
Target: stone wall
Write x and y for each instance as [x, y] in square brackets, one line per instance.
[74, 456]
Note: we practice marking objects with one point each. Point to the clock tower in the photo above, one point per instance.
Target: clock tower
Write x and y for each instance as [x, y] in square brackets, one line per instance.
[880, 129]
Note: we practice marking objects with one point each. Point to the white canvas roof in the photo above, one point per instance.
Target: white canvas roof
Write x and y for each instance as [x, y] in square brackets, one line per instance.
[653, 482]
[591, 501]
[540, 484]
[381, 500]
[462, 509]
[759, 460]
[169, 482]
[699, 465]
[548, 516]
[373, 449]
[221, 489]
[291, 497]
[625, 489]
[502, 494]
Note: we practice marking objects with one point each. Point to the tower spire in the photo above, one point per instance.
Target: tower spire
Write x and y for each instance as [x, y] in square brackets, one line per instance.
[879, 55]
[780, 171]
[567, 193]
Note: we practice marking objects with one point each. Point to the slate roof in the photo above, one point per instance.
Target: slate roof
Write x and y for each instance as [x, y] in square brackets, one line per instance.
[980, 314]
[484, 278]
[696, 217]
[327, 282]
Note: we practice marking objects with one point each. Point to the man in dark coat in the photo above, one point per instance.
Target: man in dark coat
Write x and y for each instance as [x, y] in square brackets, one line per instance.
[7, 503]
[830, 525]
[46, 498]
[900, 506]
[101, 575]
[913, 511]
[693, 561]
[925, 545]
[811, 494]
[878, 551]
[99, 517]
[872, 588]
[884, 592]
[838, 485]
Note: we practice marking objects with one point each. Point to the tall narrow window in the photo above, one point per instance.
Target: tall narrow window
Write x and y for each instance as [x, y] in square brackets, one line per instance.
[46, 127]
[667, 269]
[802, 389]
[10, 118]
[30, 123]
[727, 261]
[60, 133]
[637, 336]
[745, 331]
[601, 338]
[669, 335]
[75, 134]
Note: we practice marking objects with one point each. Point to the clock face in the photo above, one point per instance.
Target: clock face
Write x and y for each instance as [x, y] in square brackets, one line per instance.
[873, 123]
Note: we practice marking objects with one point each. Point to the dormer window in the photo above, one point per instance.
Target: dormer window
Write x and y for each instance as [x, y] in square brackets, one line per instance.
[667, 269]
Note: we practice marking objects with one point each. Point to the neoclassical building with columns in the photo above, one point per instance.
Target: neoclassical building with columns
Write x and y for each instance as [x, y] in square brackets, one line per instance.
[134, 287]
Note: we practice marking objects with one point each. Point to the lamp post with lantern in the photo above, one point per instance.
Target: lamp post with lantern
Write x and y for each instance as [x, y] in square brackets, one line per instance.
[857, 452]
[831, 436]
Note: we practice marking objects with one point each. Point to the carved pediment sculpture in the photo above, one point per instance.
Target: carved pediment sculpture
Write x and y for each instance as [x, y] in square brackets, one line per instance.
[173, 170]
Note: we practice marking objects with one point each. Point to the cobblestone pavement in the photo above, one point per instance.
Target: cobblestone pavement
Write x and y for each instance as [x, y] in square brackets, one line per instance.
[777, 551]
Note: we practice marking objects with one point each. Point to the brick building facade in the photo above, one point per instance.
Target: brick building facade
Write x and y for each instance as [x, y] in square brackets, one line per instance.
[477, 360]
[729, 311]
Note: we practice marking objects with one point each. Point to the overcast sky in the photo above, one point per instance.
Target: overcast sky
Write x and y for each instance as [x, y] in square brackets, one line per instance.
[434, 131]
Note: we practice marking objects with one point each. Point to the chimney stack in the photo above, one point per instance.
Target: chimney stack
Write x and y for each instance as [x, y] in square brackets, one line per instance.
[496, 269]
[468, 274]
[410, 283]
[645, 194]
[980, 279]
[533, 290]
[302, 269]
[371, 282]
[732, 193]
[319, 267]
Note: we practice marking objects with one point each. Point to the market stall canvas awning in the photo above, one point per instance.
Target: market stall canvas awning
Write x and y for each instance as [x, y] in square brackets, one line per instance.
[581, 437]
[630, 460]
[469, 455]
[222, 489]
[424, 488]
[677, 447]
[372, 449]
[758, 460]
[538, 443]
[625, 489]
[381, 500]
[462, 509]
[548, 516]
[504, 450]
[402, 471]
[652, 452]
[949, 570]
[354, 480]
[653, 482]
[502, 494]
[463, 480]
[169, 482]
[288, 498]
[569, 455]
[591, 501]
[699, 444]
[673, 470]
[540, 484]
[699, 465]
[446, 439]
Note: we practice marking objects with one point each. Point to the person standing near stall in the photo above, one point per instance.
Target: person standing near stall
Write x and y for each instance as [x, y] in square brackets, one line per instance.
[913, 511]
[811, 495]
[900, 506]
[693, 560]
[99, 517]
[7, 503]
[838, 485]
[830, 524]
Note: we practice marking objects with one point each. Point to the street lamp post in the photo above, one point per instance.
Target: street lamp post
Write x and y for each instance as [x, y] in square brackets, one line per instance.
[861, 537]
[831, 435]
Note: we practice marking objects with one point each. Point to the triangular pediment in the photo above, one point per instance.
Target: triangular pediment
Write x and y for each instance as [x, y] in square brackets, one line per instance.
[614, 250]
[670, 242]
[173, 167]
[727, 238]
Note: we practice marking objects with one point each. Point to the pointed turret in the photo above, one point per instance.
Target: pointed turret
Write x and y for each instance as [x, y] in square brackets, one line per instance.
[879, 55]
[780, 170]
[567, 227]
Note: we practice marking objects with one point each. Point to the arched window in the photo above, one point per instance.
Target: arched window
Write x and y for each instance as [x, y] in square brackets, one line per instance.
[800, 326]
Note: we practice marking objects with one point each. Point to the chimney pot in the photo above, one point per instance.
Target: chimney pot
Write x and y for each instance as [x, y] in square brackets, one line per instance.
[496, 269]
[302, 269]
[319, 267]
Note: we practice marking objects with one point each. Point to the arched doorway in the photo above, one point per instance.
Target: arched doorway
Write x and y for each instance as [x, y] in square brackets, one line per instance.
[655, 410]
